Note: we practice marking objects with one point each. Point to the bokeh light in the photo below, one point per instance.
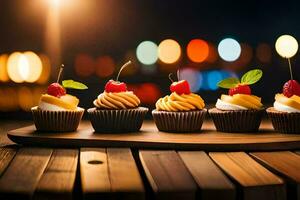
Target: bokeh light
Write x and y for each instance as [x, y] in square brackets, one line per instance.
[3, 70]
[25, 98]
[169, 51]
[24, 67]
[148, 93]
[286, 46]
[84, 65]
[147, 52]
[197, 50]
[264, 53]
[192, 76]
[213, 77]
[13, 67]
[45, 75]
[229, 49]
[34, 66]
[105, 66]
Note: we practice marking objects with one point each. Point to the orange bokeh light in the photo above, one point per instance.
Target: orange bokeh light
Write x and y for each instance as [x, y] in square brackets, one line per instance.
[264, 53]
[84, 65]
[105, 66]
[197, 50]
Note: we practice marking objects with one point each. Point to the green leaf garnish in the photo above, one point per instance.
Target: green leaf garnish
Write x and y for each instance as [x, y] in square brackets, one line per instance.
[228, 83]
[74, 85]
[251, 76]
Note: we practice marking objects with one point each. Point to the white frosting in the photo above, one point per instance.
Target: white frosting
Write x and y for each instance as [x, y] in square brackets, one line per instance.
[50, 107]
[222, 105]
[283, 108]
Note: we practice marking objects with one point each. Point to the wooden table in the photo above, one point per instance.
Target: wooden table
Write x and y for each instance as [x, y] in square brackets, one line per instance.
[124, 173]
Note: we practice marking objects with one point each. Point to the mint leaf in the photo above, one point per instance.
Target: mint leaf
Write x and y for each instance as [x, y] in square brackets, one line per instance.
[228, 83]
[251, 76]
[74, 85]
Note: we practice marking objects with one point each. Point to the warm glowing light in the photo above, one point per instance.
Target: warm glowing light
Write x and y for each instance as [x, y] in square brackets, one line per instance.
[25, 98]
[45, 74]
[169, 51]
[35, 67]
[146, 52]
[13, 67]
[229, 49]
[286, 46]
[24, 67]
[3, 70]
[197, 50]
[54, 3]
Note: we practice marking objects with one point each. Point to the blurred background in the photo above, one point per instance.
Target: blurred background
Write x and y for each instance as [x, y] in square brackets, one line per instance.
[207, 40]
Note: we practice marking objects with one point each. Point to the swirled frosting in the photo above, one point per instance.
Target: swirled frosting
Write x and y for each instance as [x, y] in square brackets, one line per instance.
[286, 104]
[176, 102]
[117, 100]
[239, 102]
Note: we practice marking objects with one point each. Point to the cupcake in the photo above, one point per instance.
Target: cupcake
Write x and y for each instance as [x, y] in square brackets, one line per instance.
[240, 111]
[182, 111]
[117, 110]
[285, 113]
[58, 111]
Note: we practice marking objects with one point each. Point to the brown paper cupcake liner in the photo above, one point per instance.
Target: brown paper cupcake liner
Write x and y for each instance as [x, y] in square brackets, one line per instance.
[236, 121]
[117, 121]
[185, 121]
[56, 121]
[284, 122]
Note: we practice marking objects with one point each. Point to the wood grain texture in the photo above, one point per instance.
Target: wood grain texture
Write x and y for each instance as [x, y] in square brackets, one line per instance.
[149, 137]
[24, 172]
[211, 180]
[110, 173]
[57, 181]
[6, 155]
[7, 125]
[285, 163]
[167, 175]
[257, 181]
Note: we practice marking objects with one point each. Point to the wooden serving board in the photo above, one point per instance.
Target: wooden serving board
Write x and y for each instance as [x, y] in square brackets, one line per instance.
[149, 137]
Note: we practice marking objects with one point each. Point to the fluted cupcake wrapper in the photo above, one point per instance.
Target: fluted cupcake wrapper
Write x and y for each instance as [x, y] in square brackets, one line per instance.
[284, 122]
[236, 121]
[117, 121]
[183, 121]
[56, 121]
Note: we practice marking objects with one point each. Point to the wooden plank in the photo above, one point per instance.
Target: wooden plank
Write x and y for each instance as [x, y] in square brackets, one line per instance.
[110, 173]
[285, 163]
[212, 182]
[6, 156]
[7, 125]
[209, 139]
[167, 175]
[57, 181]
[23, 174]
[257, 181]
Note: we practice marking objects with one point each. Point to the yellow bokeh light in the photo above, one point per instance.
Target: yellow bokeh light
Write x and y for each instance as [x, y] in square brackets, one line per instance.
[169, 51]
[24, 67]
[34, 67]
[44, 77]
[25, 98]
[3, 70]
[286, 46]
[13, 67]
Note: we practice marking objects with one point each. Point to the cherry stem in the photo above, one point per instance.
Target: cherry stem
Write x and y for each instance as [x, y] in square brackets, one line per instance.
[290, 66]
[178, 74]
[170, 77]
[60, 72]
[125, 65]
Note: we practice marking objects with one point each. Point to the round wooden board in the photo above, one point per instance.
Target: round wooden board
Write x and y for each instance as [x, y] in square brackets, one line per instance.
[149, 137]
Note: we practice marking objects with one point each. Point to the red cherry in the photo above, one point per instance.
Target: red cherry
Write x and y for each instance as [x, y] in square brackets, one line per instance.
[115, 86]
[240, 89]
[55, 89]
[290, 88]
[180, 87]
